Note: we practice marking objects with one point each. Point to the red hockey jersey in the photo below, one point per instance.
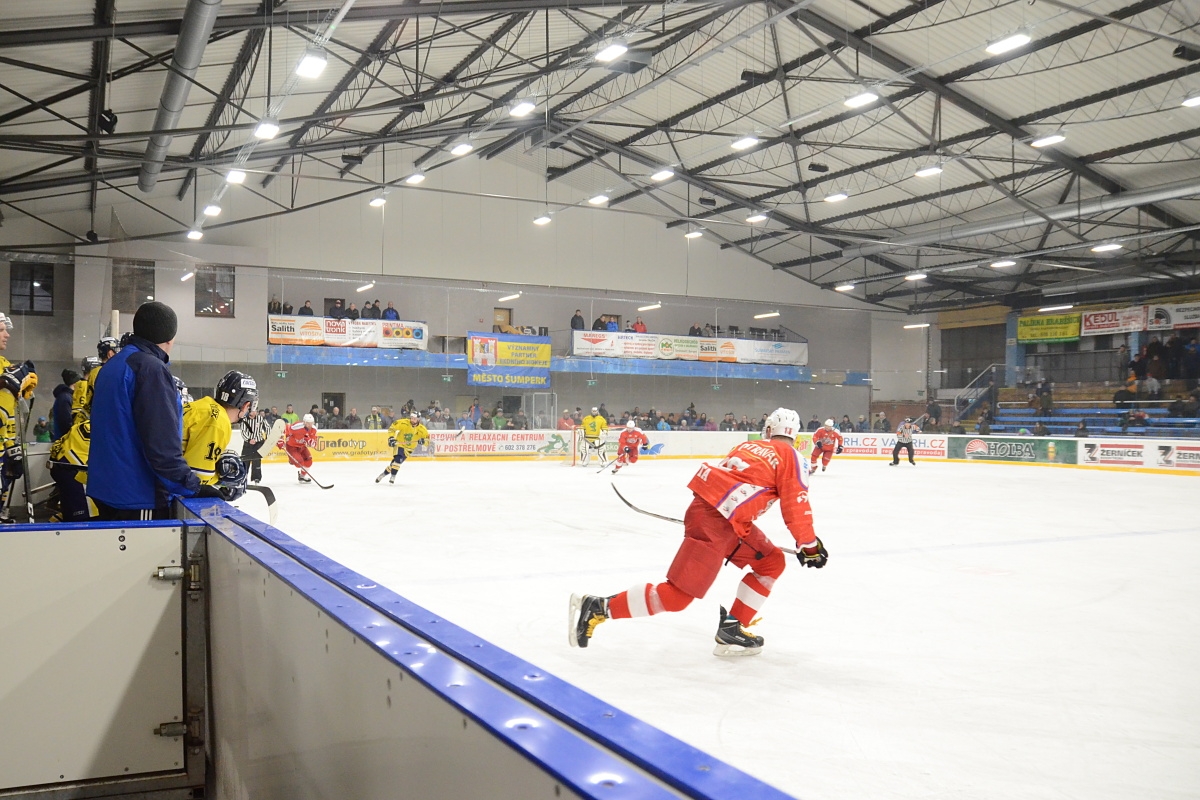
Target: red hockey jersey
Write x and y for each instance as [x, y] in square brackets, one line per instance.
[632, 437]
[751, 478]
[298, 435]
[827, 437]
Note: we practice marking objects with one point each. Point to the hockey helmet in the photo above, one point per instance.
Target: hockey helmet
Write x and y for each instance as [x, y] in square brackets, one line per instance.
[235, 389]
[107, 347]
[89, 363]
[595, 410]
[182, 388]
[6, 322]
[828, 423]
[782, 422]
[414, 416]
[908, 420]
[631, 424]
[309, 419]
[231, 476]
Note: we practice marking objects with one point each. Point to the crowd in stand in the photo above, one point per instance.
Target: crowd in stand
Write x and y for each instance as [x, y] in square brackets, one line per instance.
[370, 310]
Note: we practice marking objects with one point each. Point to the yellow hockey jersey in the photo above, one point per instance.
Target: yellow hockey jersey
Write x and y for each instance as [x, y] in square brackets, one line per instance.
[593, 425]
[206, 434]
[8, 414]
[407, 435]
[81, 395]
[73, 446]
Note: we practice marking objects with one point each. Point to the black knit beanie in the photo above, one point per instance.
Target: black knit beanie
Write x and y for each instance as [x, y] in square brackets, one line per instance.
[155, 322]
[70, 376]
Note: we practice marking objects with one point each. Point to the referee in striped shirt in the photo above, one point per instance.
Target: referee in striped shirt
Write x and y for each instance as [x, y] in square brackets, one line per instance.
[254, 431]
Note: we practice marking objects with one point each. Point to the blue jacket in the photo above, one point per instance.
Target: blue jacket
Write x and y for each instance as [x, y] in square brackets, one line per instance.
[60, 418]
[136, 458]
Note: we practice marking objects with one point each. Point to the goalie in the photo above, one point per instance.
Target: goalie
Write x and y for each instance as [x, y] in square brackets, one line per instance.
[629, 445]
[595, 435]
[404, 435]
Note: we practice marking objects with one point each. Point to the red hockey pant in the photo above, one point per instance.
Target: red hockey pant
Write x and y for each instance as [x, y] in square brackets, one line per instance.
[629, 454]
[708, 541]
[299, 455]
[822, 453]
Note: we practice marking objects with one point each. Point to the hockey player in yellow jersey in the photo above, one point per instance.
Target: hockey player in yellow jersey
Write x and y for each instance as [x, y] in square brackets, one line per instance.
[69, 454]
[404, 435]
[208, 426]
[81, 397]
[595, 431]
[15, 382]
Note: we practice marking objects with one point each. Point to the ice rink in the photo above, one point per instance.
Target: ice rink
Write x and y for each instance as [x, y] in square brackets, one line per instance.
[981, 631]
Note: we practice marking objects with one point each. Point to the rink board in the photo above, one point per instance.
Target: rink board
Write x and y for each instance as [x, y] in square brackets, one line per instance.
[410, 704]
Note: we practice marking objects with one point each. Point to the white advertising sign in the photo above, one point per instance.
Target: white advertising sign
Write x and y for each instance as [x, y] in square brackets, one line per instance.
[1113, 320]
[330, 332]
[614, 344]
[1168, 317]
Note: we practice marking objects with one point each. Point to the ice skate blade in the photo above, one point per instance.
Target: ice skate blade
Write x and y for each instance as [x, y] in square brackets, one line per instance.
[735, 650]
[573, 607]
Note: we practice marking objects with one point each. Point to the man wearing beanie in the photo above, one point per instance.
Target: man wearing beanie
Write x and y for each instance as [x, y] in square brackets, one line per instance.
[60, 418]
[136, 464]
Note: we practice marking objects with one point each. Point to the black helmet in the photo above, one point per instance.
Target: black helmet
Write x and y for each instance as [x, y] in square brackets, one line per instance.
[235, 389]
[908, 420]
[89, 363]
[107, 347]
[182, 388]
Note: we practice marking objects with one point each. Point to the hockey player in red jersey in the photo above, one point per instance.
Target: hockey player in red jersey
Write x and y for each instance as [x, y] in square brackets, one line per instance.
[298, 438]
[719, 527]
[826, 442]
[631, 442]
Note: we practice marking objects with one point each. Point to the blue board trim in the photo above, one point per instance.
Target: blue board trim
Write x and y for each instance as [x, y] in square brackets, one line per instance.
[679, 765]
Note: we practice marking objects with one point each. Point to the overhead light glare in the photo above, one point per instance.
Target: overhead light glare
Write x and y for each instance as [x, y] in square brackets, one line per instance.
[544, 219]
[378, 201]
[312, 63]
[1192, 101]
[187, 276]
[266, 129]
[929, 172]
[1008, 262]
[916, 276]
[860, 100]
[415, 178]
[195, 234]
[696, 234]
[1107, 248]
[1019, 39]
[836, 197]
[506, 298]
[916, 325]
[461, 149]
[1049, 139]
[744, 143]
[1055, 308]
[212, 210]
[522, 109]
[845, 287]
[598, 200]
[662, 175]
[235, 176]
[612, 52]
[758, 216]
[767, 315]
[653, 307]
[366, 287]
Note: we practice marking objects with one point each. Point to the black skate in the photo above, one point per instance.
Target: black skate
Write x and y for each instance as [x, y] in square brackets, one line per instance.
[377, 480]
[583, 615]
[733, 640]
[304, 478]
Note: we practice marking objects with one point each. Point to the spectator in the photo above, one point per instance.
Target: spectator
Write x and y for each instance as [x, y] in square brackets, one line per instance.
[695, 329]
[1177, 408]
[336, 421]
[1157, 368]
[846, 426]
[289, 414]
[958, 429]
[565, 423]
[337, 311]
[984, 426]
[61, 413]
[352, 312]
[465, 423]
[1046, 403]
[353, 421]
[1153, 387]
[862, 426]
[814, 423]
[577, 321]
[306, 310]
[375, 309]
[499, 423]
[476, 412]
[390, 313]
[1122, 362]
[629, 327]
[286, 308]
[709, 330]
[600, 324]
[639, 326]
[684, 424]
[882, 425]
[934, 411]
[1174, 356]
[1081, 430]
[744, 424]
[41, 430]
[274, 306]
[612, 325]
[729, 423]
[520, 422]
[662, 425]
[374, 420]
[485, 422]
[272, 415]
[388, 417]
[1139, 366]
[1040, 429]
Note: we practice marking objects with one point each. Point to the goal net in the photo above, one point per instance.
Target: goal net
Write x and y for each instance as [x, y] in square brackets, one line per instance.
[581, 453]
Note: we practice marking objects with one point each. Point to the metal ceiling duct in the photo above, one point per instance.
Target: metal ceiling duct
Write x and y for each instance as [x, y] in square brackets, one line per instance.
[194, 30]
[1084, 208]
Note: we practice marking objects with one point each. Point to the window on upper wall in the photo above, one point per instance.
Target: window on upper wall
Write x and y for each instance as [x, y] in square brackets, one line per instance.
[31, 289]
[132, 284]
[214, 291]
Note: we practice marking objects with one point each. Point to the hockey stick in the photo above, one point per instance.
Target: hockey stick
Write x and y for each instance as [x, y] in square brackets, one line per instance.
[787, 550]
[309, 474]
[269, 496]
[23, 423]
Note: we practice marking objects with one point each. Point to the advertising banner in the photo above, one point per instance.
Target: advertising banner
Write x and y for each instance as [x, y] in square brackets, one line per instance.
[1113, 320]
[1173, 456]
[1048, 328]
[613, 344]
[507, 361]
[1168, 317]
[330, 332]
[1123, 454]
[1003, 448]
[880, 444]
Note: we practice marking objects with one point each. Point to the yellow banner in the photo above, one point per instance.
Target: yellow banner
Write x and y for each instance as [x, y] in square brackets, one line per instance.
[522, 354]
[1049, 328]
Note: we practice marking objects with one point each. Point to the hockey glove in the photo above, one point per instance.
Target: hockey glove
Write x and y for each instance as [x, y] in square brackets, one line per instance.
[814, 555]
[231, 477]
[14, 465]
[15, 379]
[838, 452]
[391, 441]
[210, 492]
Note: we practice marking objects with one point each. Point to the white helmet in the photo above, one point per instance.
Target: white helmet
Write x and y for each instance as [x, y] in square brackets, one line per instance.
[828, 423]
[630, 424]
[782, 422]
[595, 410]
[309, 418]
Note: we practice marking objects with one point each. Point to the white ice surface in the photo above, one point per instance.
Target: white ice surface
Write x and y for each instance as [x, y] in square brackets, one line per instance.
[981, 631]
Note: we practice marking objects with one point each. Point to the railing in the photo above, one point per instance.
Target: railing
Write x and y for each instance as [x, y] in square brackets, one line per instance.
[968, 398]
[1079, 366]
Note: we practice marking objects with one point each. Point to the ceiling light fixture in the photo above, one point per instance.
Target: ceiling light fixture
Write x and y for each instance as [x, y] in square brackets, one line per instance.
[1008, 262]
[544, 219]
[1055, 308]
[653, 307]
[860, 100]
[929, 172]
[1048, 139]
[1107, 248]
[694, 234]
[212, 210]
[187, 276]
[662, 175]
[767, 315]
[415, 178]
[744, 143]
[461, 149]
[757, 216]
[312, 63]
[195, 234]
[366, 287]
[836, 197]
[1012, 42]
[506, 298]
[845, 287]
[1191, 102]
[915, 325]
[235, 176]
[598, 200]
[266, 128]
[522, 109]
[916, 276]
[378, 200]
[612, 52]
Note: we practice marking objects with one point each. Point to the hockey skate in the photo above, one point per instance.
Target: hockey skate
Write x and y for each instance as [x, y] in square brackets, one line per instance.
[304, 478]
[733, 640]
[583, 615]
[392, 479]
[385, 472]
